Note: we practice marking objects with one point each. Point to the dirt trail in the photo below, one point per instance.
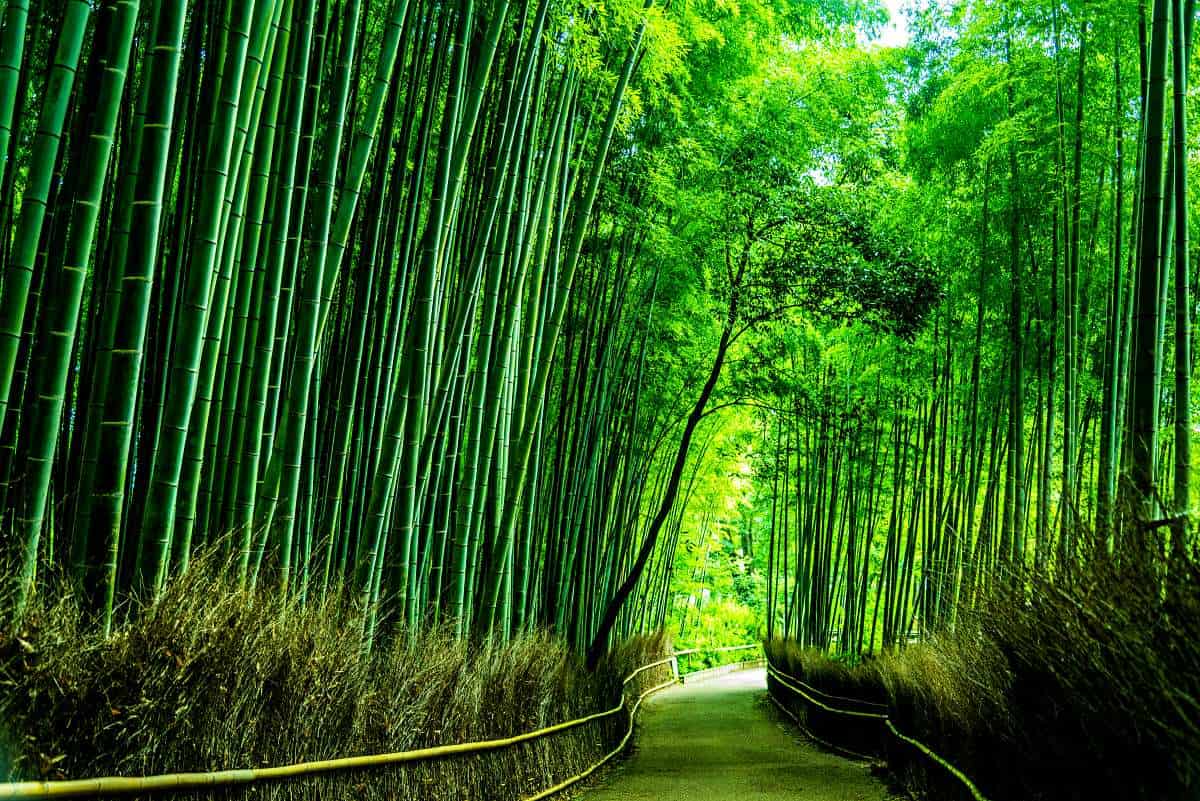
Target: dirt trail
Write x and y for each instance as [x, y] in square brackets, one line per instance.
[720, 740]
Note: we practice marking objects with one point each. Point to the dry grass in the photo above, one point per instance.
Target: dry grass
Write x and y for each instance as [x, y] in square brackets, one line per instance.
[1063, 690]
[213, 678]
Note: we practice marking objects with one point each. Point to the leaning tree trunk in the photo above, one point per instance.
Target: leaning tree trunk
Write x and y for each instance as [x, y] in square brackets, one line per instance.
[600, 641]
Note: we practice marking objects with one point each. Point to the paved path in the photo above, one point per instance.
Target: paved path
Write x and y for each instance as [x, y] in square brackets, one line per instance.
[722, 740]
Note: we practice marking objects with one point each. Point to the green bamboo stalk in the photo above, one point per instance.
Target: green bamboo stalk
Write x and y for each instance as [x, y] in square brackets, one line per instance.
[300, 388]
[240, 243]
[51, 380]
[125, 359]
[1145, 367]
[159, 518]
[19, 272]
[302, 103]
[12, 49]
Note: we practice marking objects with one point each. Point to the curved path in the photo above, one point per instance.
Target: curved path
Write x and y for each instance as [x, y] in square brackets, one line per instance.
[721, 740]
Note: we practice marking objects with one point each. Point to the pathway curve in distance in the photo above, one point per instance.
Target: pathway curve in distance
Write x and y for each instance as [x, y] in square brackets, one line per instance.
[720, 740]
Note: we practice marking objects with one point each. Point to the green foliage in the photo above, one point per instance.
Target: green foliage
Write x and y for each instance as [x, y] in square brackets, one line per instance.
[717, 589]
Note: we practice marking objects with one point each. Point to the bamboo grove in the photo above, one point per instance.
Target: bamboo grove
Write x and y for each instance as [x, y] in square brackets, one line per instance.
[305, 282]
[1043, 419]
[448, 309]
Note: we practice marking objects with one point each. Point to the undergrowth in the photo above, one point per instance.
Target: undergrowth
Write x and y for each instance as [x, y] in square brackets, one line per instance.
[1076, 688]
[212, 677]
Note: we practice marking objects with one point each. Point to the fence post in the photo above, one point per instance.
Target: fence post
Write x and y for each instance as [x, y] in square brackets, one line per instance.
[675, 668]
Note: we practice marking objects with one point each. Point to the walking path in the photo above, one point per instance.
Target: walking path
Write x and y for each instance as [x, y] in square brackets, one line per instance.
[721, 740]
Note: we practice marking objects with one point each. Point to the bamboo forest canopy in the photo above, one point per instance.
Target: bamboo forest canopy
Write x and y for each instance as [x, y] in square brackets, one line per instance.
[501, 315]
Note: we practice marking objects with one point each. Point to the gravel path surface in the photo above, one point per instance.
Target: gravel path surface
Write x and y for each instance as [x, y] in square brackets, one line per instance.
[721, 740]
